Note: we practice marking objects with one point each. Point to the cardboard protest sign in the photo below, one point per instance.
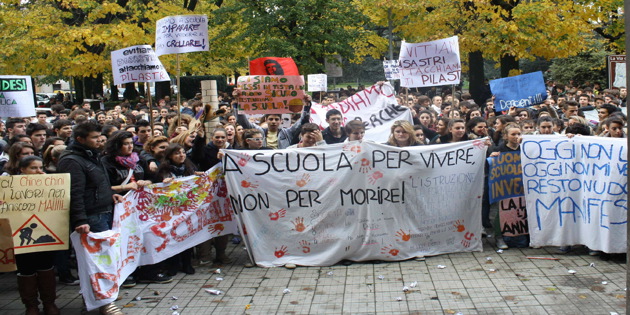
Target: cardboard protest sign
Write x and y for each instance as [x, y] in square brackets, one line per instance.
[7, 252]
[181, 34]
[150, 225]
[137, 64]
[38, 208]
[519, 91]
[513, 216]
[505, 176]
[317, 83]
[270, 94]
[616, 71]
[392, 69]
[376, 106]
[17, 97]
[358, 201]
[273, 66]
[576, 191]
[430, 63]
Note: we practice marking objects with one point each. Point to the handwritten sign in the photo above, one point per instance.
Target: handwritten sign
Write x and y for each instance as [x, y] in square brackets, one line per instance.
[392, 69]
[270, 94]
[37, 207]
[375, 106]
[317, 83]
[576, 191]
[17, 98]
[513, 216]
[358, 201]
[137, 64]
[430, 63]
[519, 91]
[504, 176]
[151, 225]
[616, 71]
[181, 34]
[7, 251]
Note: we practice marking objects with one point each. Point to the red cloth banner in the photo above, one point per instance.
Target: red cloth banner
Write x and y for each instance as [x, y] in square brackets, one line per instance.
[273, 66]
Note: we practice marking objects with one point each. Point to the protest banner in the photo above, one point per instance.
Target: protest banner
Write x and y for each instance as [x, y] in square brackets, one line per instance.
[7, 251]
[137, 64]
[375, 106]
[616, 71]
[430, 63]
[519, 91]
[38, 208]
[270, 94]
[181, 34]
[150, 225]
[17, 97]
[505, 176]
[513, 216]
[576, 191]
[392, 69]
[357, 201]
[273, 66]
[317, 83]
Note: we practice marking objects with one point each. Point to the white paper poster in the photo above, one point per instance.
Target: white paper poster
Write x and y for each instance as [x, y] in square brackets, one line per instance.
[317, 82]
[576, 191]
[357, 201]
[151, 225]
[392, 69]
[430, 63]
[376, 106]
[17, 98]
[137, 64]
[181, 34]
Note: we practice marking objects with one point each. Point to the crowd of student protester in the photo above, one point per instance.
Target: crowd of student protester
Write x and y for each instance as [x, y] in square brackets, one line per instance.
[111, 152]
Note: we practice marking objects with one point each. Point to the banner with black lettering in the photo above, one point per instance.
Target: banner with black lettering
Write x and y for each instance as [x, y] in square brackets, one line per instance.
[576, 191]
[151, 225]
[357, 201]
[375, 106]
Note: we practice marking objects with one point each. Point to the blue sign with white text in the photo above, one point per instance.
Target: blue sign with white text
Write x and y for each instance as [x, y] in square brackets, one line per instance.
[519, 91]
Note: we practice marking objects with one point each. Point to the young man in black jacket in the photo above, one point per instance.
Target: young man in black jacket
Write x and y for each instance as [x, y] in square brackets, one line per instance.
[91, 196]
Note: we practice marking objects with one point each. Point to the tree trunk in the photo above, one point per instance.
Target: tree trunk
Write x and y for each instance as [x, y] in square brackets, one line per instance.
[97, 86]
[78, 88]
[477, 77]
[114, 93]
[508, 62]
[162, 89]
[130, 92]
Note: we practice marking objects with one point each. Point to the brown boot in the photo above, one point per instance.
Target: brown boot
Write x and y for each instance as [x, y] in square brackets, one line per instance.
[47, 283]
[220, 245]
[27, 285]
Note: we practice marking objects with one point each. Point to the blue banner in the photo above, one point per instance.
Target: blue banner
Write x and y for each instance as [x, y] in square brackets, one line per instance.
[519, 91]
[505, 179]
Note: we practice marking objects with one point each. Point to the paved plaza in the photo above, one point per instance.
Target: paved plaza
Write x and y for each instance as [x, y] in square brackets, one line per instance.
[469, 283]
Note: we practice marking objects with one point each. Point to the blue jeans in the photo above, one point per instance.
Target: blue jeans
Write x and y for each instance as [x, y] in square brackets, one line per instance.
[100, 222]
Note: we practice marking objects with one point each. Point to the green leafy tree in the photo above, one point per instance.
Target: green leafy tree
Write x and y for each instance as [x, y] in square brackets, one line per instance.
[310, 31]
